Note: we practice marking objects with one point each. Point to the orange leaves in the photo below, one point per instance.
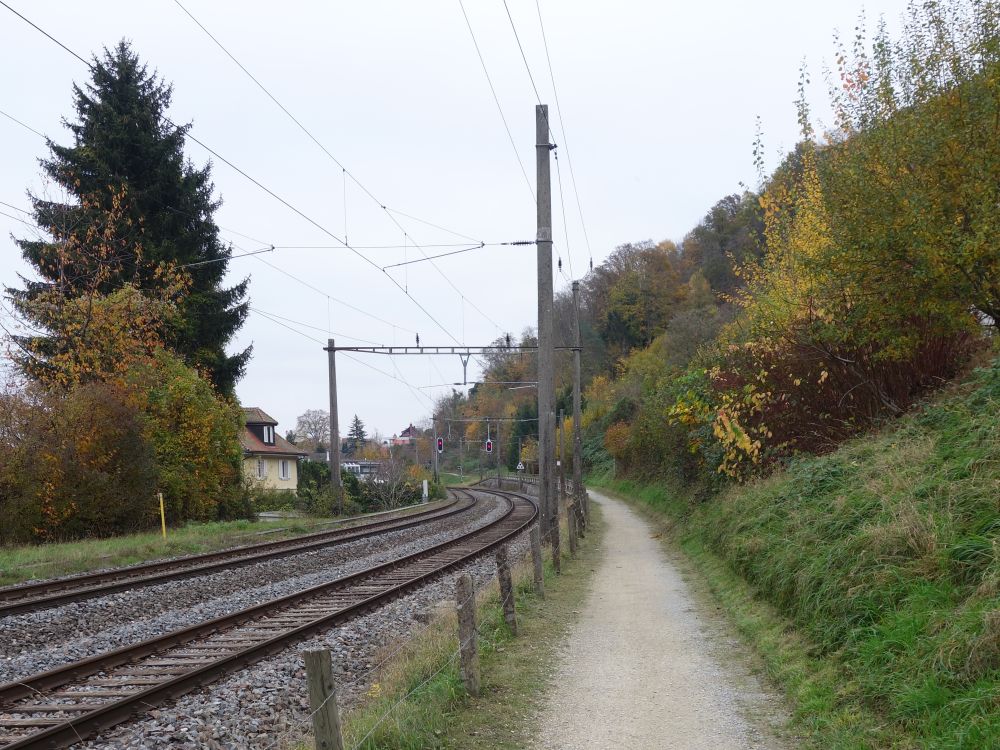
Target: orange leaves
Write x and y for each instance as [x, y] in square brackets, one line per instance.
[616, 439]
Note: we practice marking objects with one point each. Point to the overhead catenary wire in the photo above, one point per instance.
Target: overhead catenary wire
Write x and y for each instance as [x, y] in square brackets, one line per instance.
[496, 99]
[187, 134]
[403, 287]
[565, 143]
[18, 218]
[398, 378]
[227, 258]
[524, 57]
[562, 205]
[328, 296]
[309, 325]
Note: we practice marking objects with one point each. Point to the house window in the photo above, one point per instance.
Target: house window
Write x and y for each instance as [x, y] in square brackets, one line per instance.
[261, 468]
[283, 469]
[268, 434]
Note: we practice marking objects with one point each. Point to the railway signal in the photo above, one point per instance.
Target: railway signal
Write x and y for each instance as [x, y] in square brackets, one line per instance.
[489, 446]
[440, 445]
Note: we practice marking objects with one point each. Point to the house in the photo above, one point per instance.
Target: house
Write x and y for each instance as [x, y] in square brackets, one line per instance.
[362, 468]
[269, 461]
[406, 437]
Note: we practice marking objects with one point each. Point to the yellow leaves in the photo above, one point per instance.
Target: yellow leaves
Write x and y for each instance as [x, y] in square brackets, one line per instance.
[616, 439]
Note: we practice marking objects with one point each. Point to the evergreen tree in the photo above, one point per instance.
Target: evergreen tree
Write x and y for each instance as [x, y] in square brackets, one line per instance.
[125, 151]
[357, 435]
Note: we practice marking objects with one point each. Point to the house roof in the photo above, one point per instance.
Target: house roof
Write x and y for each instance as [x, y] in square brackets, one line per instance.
[253, 445]
[256, 415]
[410, 431]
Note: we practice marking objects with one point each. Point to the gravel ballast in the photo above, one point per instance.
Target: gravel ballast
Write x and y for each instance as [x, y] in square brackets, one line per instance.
[38, 641]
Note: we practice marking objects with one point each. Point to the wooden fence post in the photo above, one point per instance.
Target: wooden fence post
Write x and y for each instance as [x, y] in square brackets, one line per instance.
[465, 600]
[536, 560]
[554, 534]
[506, 590]
[323, 700]
[571, 527]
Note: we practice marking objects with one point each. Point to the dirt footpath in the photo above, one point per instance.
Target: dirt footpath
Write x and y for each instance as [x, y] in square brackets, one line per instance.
[646, 666]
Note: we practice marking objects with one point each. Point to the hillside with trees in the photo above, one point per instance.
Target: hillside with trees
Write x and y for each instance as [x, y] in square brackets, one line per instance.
[794, 387]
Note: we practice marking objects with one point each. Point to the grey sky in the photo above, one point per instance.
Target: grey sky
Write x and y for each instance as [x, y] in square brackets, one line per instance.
[659, 101]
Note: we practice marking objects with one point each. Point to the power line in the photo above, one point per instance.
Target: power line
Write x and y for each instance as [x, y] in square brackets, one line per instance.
[275, 319]
[16, 208]
[315, 328]
[282, 107]
[162, 205]
[523, 56]
[390, 375]
[562, 129]
[44, 33]
[378, 247]
[187, 134]
[496, 99]
[562, 205]
[429, 223]
[17, 218]
[403, 288]
[335, 299]
[28, 127]
[480, 246]
[228, 258]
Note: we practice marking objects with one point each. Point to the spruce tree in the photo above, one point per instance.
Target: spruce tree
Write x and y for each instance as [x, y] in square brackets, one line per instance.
[125, 149]
[356, 435]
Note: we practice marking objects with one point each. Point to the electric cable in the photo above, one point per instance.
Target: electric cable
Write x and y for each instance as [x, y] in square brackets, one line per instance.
[496, 99]
[187, 134]
[565, 143]
[403, 287]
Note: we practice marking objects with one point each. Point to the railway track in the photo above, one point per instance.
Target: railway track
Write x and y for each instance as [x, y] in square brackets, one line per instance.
[63, 706]
[47, 594]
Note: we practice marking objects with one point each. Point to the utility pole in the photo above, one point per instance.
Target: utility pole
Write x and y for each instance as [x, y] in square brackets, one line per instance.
[577, 437]
[437, 478]
[499, 451]
[546, 354]
[561, 432]
[335, 485]
[554, 505]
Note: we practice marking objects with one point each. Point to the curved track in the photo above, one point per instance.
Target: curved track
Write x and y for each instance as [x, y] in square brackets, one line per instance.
[66, 705]
[44, 595]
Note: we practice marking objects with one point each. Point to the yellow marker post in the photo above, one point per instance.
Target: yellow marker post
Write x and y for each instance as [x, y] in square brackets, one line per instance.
[163, 515]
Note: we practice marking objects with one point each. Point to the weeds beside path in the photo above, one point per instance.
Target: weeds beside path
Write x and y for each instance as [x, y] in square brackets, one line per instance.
[644, 665]
[868, 579]
[426, 706]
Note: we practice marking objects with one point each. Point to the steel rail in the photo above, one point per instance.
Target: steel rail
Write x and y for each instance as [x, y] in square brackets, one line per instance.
[228, 644]
[47, 594]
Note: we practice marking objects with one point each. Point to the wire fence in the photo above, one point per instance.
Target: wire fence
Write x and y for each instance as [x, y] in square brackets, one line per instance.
[520, 565]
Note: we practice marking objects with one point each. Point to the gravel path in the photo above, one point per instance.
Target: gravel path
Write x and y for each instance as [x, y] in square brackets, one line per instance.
[643, 668]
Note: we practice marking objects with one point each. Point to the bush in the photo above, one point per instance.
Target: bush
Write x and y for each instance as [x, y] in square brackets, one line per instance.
[90, 459]
[194, 433]
[81, 467]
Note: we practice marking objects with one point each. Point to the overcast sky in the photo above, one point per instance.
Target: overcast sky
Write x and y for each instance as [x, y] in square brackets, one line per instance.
[659, 101]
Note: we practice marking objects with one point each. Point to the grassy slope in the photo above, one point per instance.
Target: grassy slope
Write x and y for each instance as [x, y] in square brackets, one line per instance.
[874, 576]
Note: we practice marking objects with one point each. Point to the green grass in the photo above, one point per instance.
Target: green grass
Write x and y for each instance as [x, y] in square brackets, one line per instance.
[869, 579]
[417, 704]
[23, 563]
